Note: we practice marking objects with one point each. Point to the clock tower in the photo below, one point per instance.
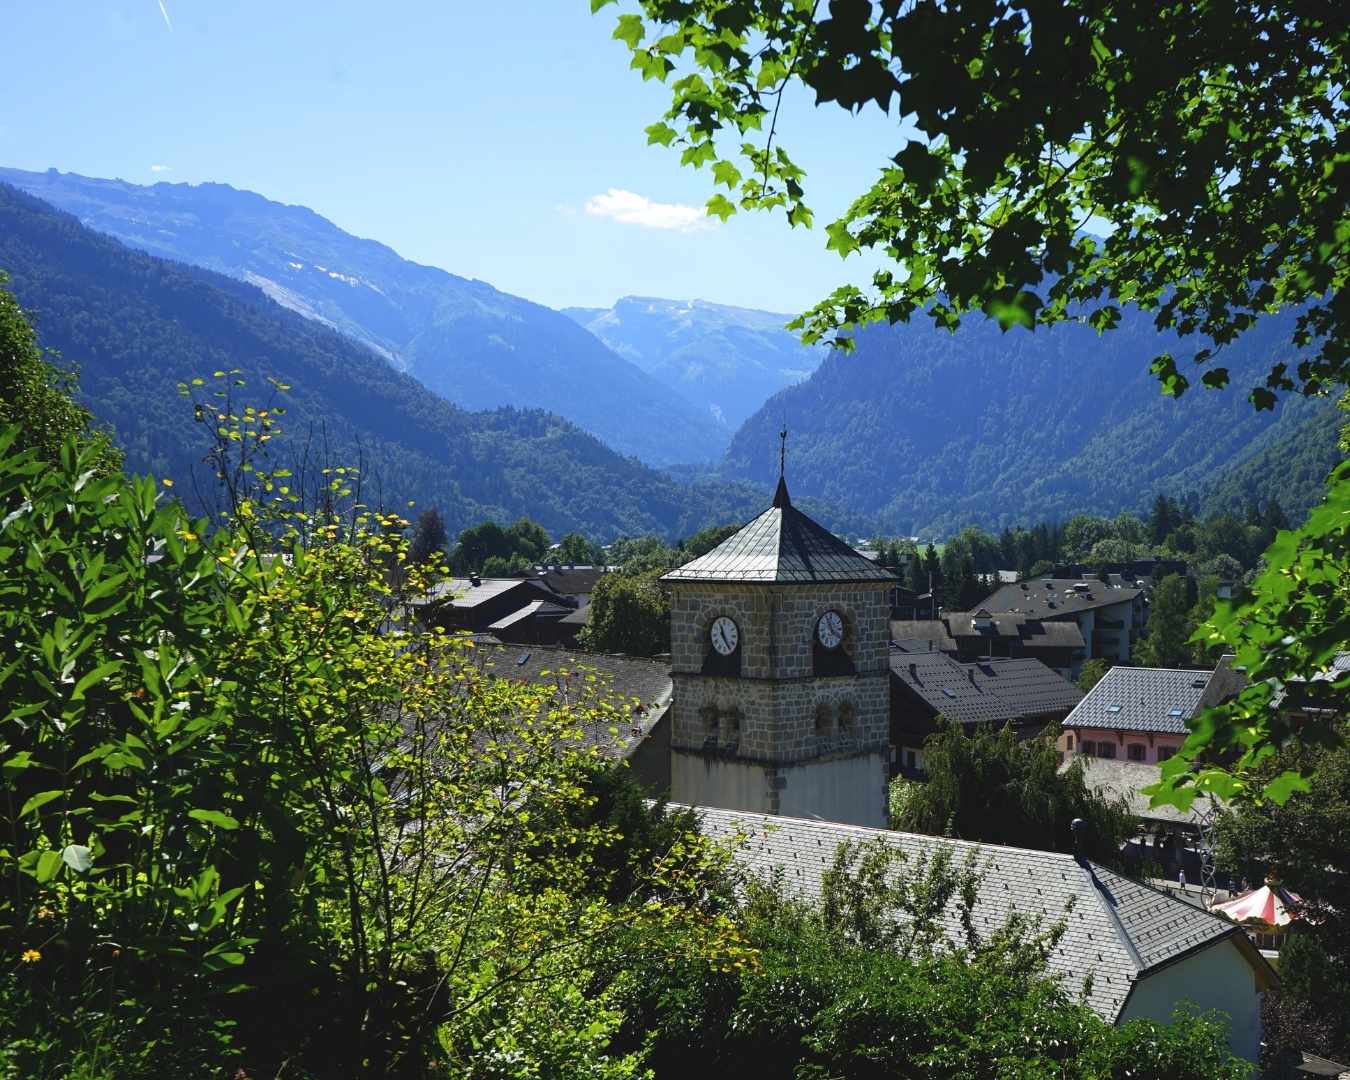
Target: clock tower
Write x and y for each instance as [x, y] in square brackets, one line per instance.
[780, 660]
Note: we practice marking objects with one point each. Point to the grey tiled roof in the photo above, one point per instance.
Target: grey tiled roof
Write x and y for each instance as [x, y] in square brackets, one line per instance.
[781, 545]
[542, 608]
[1160, 700]
[569, 580]
[1116, 930]
[462, 593]
[1159, 926]
[921, 635]
[1048, 598]
[1028, 629]
[990, 691]
[1120, 778]
[1226, 683]
[1033, 633]
[1027, 685]
[947, 687]
[641, 688]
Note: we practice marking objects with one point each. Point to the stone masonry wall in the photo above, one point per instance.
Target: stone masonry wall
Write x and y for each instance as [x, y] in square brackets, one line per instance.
[776, 710]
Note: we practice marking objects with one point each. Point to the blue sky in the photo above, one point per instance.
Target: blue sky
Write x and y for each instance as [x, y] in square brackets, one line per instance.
[502, 141]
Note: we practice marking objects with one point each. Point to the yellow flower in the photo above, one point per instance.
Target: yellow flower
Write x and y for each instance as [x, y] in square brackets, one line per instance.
[30, 956]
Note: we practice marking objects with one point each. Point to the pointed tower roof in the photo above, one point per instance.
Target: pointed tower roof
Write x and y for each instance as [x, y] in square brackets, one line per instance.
[782, 545]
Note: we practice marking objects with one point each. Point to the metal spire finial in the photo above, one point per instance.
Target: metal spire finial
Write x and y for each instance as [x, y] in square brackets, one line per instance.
[782, 450]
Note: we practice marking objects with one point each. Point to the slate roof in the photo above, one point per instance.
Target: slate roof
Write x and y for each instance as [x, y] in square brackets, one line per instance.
[569, 580]
[642, 688]
[1226, 683]
[1048, 598]
[1027, 685]
[1120, 778]
[997, 691]
[948, 689]
[541, 608]
[1159, 700]
[1117, 930]
[1028, 629]
[921, 635]
[462, 593]
[782, 545]
[944, 633]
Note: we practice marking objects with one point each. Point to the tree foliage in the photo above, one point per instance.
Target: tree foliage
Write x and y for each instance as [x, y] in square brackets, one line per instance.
[996, 788]
[862, 983]
[1208, 138]
[629, 614]
[241, 794]
[429, 538]
[1304, 846]
[36, 395]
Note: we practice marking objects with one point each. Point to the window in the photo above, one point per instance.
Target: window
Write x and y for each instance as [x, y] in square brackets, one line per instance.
[1138, 751]
[1069, 744]
[1174, 711]
[1165, 752]
[1106, 749]
[1113, 709]
[1089, 748]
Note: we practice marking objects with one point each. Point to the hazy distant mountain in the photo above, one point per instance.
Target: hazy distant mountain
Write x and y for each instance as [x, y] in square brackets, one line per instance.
[474, 345]
[726, 360]
[931, 431]
[136, 326]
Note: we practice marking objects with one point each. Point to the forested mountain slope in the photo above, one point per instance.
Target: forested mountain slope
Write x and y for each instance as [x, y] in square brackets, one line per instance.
[136, 326]
[474, 345]
[726, 360]
[933, 431]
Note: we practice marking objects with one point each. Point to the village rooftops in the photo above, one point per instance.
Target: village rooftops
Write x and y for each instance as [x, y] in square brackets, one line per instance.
[997, 691]
[567, 579]
[782, 545]
[1120, 779]
[472, 592]
[1117, 930]
[641, 688]
[1052, 598]
[1158, 700]
[959, 628]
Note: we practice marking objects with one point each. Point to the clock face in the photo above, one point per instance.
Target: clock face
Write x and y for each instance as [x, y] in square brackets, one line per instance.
[725, 635]
[830, 629]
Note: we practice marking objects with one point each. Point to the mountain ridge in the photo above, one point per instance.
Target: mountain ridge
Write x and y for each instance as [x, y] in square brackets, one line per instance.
[725, 359]
[463, 338]
[137, 325]
[932, 431]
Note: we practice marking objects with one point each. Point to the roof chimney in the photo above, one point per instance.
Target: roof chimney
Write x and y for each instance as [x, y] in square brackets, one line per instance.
[1079, 829]
[913, 670]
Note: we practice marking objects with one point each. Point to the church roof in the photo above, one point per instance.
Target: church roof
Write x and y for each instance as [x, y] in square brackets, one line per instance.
[782, 545]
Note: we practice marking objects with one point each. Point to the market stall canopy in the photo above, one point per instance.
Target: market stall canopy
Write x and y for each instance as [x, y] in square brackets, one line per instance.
[1269, 904]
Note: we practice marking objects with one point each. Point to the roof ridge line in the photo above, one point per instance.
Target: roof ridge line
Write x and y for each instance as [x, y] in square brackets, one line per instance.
[1099, 890]
[924, 837]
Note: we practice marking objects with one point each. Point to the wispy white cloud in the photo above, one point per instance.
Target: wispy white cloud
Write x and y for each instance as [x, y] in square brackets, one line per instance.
[633, 209]
[161, 168]
[165, 12]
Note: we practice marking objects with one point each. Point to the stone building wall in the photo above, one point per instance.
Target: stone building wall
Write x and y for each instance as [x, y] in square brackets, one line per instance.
[777, 733]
